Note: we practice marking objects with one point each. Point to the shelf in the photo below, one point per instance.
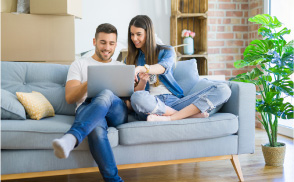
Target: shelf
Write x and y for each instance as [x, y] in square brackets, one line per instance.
[191, 15]
[198, 55]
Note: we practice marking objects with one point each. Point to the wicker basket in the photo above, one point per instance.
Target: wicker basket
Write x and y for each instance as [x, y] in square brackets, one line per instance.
[274, 156]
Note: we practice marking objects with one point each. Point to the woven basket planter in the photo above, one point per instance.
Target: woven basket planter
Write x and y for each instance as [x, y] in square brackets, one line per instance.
[274, 156]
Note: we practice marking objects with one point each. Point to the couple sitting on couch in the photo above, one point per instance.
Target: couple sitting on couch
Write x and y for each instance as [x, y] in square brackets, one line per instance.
[157, 96]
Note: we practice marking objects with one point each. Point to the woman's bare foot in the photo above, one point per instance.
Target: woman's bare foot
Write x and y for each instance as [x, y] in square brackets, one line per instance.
[153, 117]
[200, 115]
[169, 111]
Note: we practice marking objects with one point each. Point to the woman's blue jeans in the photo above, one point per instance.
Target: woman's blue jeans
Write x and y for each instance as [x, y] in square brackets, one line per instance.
[92, 119]
[205, 100]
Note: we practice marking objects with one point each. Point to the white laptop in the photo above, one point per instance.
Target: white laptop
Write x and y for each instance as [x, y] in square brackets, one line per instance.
[117, 78]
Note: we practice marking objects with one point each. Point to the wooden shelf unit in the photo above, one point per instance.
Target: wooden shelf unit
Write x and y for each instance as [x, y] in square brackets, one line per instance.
[190, 15]
[187, 15]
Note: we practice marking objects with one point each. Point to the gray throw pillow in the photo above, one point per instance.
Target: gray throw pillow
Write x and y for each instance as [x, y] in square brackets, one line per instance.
[11, 108]
[186, 74]
[202, 84]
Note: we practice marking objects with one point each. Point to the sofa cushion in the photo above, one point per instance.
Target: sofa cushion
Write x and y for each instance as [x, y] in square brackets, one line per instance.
[11, 108]
[33, 134]
[142, 132]
[48, 79]
[186, 74]
[36, 105]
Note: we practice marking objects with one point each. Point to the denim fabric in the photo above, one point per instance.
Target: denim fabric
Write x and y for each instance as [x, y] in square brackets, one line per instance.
[92, 119]
[166, 59]
[153, 105]
[204, 83]
[207, 99]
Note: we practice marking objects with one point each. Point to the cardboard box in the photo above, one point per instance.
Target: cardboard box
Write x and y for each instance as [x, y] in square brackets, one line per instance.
[56, 7]
[27, 37]
[122, 55]
[8, 6]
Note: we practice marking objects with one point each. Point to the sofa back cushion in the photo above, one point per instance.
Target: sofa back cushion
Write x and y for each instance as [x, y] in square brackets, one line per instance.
[186, 74]
[48, 79]
[11, 108]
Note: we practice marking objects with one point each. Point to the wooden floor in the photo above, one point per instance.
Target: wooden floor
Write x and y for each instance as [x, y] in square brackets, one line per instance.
[253, 168]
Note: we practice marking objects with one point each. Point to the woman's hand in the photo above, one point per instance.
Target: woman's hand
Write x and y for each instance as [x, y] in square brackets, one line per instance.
[138, 69]
[144, 77]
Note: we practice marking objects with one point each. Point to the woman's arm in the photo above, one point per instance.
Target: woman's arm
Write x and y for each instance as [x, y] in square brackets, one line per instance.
[144, 77]
[155, 69]
[166, 60]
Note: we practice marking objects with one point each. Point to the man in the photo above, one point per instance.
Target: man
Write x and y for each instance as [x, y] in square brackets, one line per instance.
[93, 115]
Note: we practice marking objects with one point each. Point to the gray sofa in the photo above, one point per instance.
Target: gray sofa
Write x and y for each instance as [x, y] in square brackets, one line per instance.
[229, 132]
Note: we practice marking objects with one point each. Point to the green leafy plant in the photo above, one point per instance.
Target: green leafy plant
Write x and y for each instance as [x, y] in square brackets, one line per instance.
[272, 59]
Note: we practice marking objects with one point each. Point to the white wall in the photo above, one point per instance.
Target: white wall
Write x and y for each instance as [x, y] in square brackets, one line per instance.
[119, 13]
[283, 10]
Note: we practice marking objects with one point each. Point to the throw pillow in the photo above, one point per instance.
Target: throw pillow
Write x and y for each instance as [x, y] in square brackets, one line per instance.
[202, 84]
[186, 74]
[11, 108]
[36, 105]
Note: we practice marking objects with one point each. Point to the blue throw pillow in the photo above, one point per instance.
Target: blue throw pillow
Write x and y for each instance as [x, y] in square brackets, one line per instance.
[202, 84]
[11, 108]
[186, 74]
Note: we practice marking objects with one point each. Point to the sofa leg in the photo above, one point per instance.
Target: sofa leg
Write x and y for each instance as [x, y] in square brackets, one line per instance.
[237, 167]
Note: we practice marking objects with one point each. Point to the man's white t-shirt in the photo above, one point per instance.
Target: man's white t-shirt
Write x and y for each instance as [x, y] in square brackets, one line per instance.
[78, 70]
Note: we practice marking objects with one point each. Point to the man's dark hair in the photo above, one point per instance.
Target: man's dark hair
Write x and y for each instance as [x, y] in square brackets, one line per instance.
[106, 28]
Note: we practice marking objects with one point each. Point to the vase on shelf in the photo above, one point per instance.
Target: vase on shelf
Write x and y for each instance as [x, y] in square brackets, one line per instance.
[189, 48]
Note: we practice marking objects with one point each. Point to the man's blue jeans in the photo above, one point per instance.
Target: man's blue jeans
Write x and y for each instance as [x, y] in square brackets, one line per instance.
[92, 119]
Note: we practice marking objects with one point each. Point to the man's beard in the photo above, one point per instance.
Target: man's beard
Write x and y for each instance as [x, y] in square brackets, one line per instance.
[101, 57]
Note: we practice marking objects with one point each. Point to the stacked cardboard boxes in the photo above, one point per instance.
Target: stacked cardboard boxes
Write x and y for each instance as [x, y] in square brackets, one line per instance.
[8, 6]
[56, 7]
[44, 35]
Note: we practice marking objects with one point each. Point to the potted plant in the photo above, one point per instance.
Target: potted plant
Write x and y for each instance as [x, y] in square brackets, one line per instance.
[272, 59]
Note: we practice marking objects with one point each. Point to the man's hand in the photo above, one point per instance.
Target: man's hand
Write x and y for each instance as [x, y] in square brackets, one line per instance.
[129, 106]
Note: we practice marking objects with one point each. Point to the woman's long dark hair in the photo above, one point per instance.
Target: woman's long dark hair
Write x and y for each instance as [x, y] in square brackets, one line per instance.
[152, 50]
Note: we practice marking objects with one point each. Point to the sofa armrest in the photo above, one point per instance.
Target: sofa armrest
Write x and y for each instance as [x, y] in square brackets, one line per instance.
[242, 104]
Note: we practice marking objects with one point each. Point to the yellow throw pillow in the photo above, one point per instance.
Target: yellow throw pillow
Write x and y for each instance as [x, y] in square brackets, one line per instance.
[35, 104]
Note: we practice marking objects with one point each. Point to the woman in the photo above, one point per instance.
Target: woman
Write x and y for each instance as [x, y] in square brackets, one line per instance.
[158, 96]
